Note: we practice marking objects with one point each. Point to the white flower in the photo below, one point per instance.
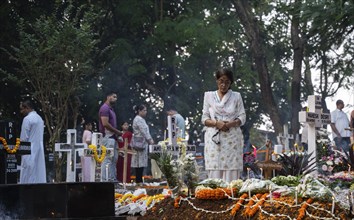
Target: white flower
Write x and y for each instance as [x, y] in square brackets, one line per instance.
[337, 160]
[329, 163]
[324, 167]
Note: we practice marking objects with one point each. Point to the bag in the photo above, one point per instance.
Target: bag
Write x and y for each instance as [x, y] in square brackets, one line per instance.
[137, 143]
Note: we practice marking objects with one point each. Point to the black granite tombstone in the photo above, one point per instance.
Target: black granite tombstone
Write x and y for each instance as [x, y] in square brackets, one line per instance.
[8, 162]
[57, 200]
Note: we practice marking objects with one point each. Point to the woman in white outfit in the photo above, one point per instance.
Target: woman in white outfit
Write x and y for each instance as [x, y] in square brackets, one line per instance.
[223, 114]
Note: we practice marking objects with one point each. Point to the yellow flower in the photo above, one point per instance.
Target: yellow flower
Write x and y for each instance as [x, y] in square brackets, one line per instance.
[95, 154]
[10, 151]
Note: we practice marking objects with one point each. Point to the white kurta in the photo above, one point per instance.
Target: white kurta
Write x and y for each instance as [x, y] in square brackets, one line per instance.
[228, 154]
[33, 165]
[141, 129]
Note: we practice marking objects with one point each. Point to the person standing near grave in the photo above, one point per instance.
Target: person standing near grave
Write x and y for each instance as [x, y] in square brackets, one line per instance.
[339, 123]
[120, 162]
[223, 114]
[108, 127]
[32, 166]
[141, 129]
[87, 135]
[180, 123]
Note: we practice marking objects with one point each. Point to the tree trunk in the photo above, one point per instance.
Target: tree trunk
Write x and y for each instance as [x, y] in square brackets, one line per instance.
[298, 47]
[252, 31]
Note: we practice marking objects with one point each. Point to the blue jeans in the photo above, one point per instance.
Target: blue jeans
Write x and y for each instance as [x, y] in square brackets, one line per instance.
[110, 162]
[342, 143]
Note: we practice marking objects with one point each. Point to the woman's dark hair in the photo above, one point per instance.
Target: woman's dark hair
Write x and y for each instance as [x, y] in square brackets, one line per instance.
[138, 108]
[225, 72]
[87, 123]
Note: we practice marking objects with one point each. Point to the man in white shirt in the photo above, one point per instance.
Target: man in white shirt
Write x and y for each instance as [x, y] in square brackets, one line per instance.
[339, 122]
[32, 166]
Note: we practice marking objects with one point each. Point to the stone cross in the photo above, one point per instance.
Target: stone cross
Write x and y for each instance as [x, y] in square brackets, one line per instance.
[285, 137]
[93, 168]
[126, 151]
[315, 119]
[70, 148]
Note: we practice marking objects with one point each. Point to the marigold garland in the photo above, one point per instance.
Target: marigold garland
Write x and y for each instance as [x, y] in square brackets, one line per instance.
[251, 203]
[136, 198]
[302, 210]
[95, 154]
[238, 204]
[6, 147]
[176, 203]
[252, 211]
[218, 193]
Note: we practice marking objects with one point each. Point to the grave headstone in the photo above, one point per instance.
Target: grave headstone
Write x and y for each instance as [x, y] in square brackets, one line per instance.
[94, 168]
[71, 148]
[315, 119]
[9, 161]
[285, 137]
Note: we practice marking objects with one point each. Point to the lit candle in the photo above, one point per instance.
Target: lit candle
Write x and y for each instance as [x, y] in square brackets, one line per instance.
[143, 180]
[333, 205]
[164, 135]
[249, 193]
[261, 173]
[248, 172]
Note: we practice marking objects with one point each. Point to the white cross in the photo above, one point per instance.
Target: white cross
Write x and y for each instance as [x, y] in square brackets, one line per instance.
[315, 119]
[284, 138]
[70, 148]
[172, 130]
[93, 167]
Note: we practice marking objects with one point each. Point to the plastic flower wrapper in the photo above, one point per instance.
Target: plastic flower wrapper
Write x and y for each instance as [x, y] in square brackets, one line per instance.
[258, 186]
[214, 183]
[311, 187]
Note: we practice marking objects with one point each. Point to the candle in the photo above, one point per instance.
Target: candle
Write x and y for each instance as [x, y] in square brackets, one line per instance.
[261, 173]
[106, 172]
[270, 194]
[249, 193]
[248, 172]
[143, 180]
[333, 205]
[296, 189]
[352, 199]
[232, 191]
[169, 127]
[164, 135]
[349, 168]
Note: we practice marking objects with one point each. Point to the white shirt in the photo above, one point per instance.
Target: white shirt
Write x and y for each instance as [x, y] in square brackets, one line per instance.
[341, 121]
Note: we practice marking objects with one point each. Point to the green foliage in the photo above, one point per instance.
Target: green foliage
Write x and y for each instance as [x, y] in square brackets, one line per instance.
[296, 163]
[165, 162]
